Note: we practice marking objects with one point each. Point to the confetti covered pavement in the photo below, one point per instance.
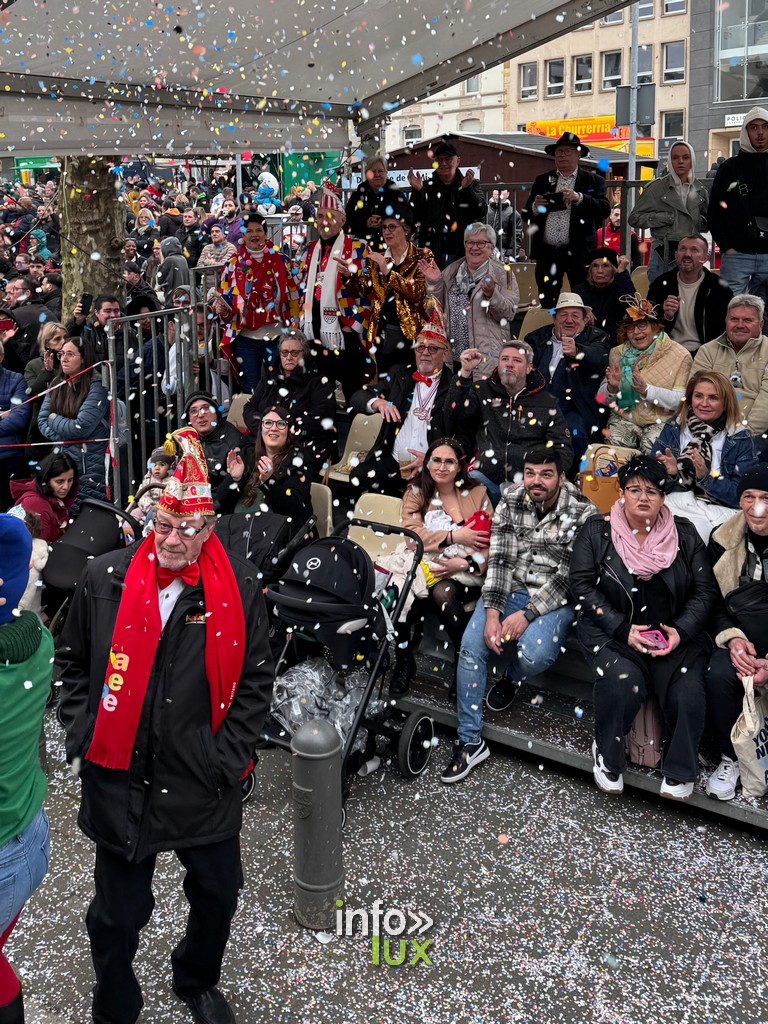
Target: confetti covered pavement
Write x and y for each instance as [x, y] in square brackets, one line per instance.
[551, 903]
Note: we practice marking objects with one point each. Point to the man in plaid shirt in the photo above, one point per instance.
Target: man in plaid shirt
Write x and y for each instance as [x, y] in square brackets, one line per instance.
[523, 616]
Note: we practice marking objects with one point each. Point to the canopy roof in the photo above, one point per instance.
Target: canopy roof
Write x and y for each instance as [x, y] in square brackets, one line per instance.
[143, 76]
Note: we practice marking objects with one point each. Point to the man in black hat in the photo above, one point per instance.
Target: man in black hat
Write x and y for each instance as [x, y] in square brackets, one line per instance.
[445, 204]
[565, 209]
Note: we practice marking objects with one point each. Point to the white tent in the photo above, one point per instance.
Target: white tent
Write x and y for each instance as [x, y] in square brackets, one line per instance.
[113, 77]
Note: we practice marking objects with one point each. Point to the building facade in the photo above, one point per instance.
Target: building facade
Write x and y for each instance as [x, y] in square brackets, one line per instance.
[572, 78]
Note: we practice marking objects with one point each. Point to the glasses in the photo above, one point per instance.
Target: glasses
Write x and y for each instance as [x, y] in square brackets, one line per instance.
[445, 463]
[271, 424]
[200, 410]
[642, 492]
[638, 327]
[184, 530]
[476, 245]
[431, 350]
[295, 353]
[390, 227]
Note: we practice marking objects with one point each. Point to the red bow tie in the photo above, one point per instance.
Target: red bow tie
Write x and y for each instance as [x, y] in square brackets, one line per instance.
[189, 574]
[421, 379]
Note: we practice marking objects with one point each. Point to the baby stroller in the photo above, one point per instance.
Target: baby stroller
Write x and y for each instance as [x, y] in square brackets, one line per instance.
[328, 599]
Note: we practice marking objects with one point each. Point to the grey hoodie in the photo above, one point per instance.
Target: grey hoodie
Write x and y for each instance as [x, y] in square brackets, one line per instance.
[174, 271]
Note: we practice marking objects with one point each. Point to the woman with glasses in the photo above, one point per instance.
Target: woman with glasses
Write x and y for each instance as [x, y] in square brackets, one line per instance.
[397, 289]
[479, 302]
[452, 515]
[642, 582]
[269, 475]
[309, 398]
[77, 417]
[646, 378]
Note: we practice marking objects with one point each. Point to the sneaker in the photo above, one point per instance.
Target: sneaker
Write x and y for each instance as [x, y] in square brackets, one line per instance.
[501, 695]
[465, 757]
[405, 670]
[724, 780]
[674, 790]
[608, 781]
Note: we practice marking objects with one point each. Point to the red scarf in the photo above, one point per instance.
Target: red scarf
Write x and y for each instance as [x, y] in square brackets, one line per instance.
[134, 644]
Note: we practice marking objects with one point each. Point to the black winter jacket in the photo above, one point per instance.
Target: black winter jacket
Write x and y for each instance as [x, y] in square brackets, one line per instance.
[182, 788]
[501, 427]
[287, 492]
[575, 381]
[737, 198]
[443, 212]
[216, 445]
[710, 306]
[398, 387]
[365, 202]
[602, 586]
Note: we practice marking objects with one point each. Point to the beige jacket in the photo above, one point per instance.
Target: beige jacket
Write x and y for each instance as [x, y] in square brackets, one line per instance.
[666, 372]
[752, 363]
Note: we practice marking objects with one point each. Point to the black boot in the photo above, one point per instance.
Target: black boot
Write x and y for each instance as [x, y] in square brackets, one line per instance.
[13, 1012]
[405, 670]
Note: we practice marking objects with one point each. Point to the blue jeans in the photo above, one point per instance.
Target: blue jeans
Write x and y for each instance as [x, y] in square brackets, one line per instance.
[534, 652]
[251, 356]
[745, 273]
[494, 490]
[657, 266]
[23, 866]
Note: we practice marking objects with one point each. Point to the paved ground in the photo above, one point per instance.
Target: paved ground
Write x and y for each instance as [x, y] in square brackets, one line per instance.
[552, 903]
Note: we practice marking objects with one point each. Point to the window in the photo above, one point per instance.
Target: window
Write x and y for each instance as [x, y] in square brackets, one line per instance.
[472, 85]
[672, 124]
[582, 73]
[645, 9]
[645, 65]
[529, 81]
[741, 49]
[472, 125]
[674, 62]
[411, 135]
[555, 77]
[611, 69]
[614, 18]
[674, 6]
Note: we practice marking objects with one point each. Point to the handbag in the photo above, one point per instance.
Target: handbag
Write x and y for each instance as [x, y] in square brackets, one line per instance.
[599, 480]
[748, 607]
[750, 740]
[643, 743]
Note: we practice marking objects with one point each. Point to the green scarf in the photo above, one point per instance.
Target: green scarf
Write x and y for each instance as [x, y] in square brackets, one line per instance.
[628, 398]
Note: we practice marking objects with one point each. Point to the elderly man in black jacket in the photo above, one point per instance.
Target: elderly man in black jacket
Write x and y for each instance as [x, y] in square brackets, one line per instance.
[693, 300]
[445, 205]
[572, 357]
[411, 405]
[167, 679]
[504, 416]
[565, 209]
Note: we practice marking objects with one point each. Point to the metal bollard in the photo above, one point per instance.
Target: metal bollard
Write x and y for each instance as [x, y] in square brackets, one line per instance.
[318, 873]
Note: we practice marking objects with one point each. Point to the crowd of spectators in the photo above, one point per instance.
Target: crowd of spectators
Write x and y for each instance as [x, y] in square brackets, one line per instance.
[401, 305]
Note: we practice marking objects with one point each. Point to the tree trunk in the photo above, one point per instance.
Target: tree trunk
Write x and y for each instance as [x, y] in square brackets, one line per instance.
[92, 230]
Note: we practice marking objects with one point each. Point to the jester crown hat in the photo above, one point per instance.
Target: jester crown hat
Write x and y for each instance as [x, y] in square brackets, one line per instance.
[188, 492]
[639, 309]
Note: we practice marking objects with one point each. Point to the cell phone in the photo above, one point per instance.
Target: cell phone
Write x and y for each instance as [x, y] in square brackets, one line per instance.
[86, 301]
[654, 638]
[7, 324]
[554, 200]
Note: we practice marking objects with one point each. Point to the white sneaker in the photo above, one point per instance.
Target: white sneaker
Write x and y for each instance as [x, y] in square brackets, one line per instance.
[674, 790]
[609, 782]
[724, 780]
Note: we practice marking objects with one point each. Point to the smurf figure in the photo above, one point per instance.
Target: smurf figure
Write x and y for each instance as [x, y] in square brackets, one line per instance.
[266, 197]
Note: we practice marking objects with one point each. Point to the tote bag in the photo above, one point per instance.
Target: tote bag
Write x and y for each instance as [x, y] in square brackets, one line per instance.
[750, 740]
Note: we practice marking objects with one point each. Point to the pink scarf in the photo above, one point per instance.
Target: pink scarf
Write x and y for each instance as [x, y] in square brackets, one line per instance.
[659, 550]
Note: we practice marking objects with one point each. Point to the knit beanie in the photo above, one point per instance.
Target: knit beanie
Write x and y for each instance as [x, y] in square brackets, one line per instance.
[755, 479]
[15, 554]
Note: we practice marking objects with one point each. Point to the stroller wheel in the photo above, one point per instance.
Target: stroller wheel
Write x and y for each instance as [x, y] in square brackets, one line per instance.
[247, 788]
[414, 747]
